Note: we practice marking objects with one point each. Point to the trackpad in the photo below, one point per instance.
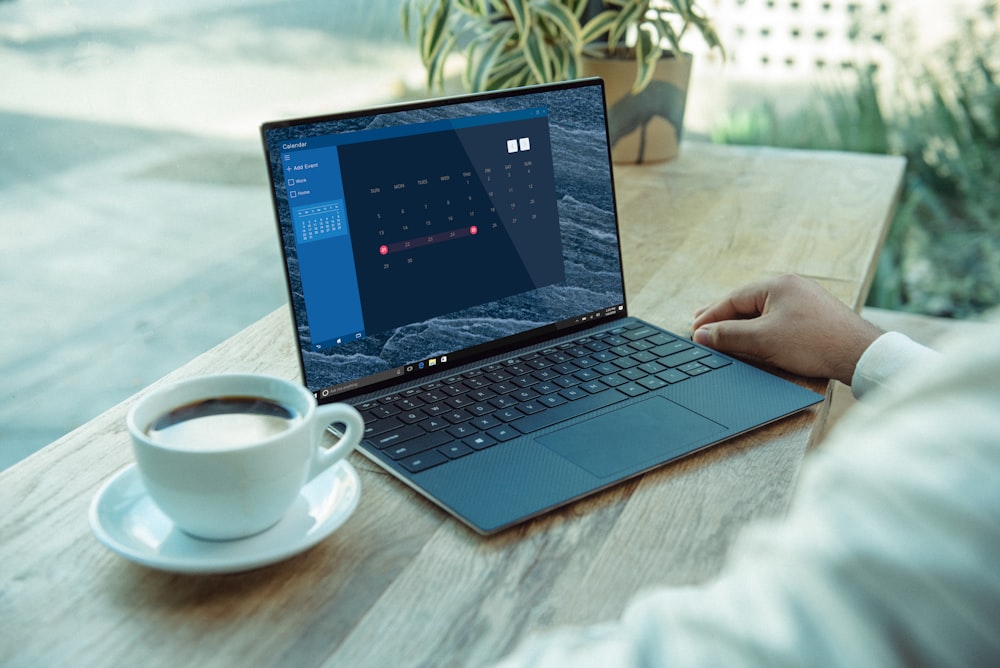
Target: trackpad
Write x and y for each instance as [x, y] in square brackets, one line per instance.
[649, 432]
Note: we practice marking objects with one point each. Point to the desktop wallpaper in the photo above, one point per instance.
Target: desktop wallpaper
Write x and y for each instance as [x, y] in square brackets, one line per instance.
[587, 227]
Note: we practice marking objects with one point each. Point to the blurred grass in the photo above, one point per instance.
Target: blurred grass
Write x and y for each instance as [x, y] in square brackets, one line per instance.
[942, 112]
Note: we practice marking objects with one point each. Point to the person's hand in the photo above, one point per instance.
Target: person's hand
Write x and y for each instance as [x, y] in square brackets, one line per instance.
[791, 323]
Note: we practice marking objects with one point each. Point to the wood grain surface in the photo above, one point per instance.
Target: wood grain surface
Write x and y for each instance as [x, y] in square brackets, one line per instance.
[400, 583]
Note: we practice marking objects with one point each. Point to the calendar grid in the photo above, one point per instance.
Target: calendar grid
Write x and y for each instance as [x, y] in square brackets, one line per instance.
[319, 221]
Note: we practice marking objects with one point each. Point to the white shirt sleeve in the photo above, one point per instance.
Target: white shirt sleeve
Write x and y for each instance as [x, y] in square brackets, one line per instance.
[890, 354]
[888, 555]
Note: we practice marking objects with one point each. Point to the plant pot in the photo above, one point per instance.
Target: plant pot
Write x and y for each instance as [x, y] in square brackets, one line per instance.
[645, 127]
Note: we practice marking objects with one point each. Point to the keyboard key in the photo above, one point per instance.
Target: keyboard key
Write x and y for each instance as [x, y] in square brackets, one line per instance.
[460, 401]
[613, 380]
[423, 461]
[455, 450]
[524, 395]
[486, 422]
[418, 445]
[433, 424]
[503, 402]
[481, 409]
[433, 396]
[640, 333]
[632, 389]
[573, 393]
[477, 383]
[644, 356]
[376, 427]
[480, 442]
[411, 416]
[455, 390]
[672, 376]
[455, 417]
[384, 411]
[677, 359]
[670, 348]
[605, 369]
[508, 414]
[530, 407]
[409, 404]
[594, 386]
[652, 383]
[635, 373]
[504, 433]
[397, 437]
[482, 395]
[625, 363]
[716, 362]
[462, 430]
[652, 367]
[567, 411]
[551, 400]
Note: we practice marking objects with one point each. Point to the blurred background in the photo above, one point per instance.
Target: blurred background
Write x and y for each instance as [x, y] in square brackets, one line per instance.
[136, 229]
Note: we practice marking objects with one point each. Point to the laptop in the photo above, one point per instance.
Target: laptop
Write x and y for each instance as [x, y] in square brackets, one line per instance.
[454, 272]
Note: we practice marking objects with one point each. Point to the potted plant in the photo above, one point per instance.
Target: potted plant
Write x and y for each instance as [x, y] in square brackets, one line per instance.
[633, 44]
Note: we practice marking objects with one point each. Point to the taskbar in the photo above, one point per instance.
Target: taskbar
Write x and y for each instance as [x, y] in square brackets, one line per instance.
[432, 365]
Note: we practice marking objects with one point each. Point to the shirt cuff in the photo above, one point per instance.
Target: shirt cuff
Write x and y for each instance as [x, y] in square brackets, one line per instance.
[884, 359]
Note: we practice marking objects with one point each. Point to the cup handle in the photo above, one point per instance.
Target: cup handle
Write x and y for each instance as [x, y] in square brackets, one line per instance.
[326, 415]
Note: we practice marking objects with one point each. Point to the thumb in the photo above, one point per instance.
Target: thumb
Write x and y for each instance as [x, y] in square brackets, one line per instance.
[730, 336]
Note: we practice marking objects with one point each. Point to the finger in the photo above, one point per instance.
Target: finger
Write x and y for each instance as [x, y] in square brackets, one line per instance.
[739, 337]
[747, 302]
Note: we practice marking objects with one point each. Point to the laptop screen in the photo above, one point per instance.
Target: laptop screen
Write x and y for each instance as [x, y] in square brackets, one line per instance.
[435, 233]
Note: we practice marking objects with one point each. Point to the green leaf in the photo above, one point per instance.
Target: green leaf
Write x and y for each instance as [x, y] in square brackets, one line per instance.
[537, 56]
[519, 11]
[435, 69]
[598, 26]
[648, 52]
[666, 30]
[562, 18]
[433, 32]
[628, 16]
[566, 62]
[496, 40]
[578, 7]
[404, 19]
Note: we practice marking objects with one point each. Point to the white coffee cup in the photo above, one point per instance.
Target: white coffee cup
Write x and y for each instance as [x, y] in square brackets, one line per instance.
[226, 475]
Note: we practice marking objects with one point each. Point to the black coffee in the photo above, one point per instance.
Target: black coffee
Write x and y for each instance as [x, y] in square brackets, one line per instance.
[224, 422]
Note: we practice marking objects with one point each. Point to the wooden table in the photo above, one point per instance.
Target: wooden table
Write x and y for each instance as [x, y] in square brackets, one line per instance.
[400, 583]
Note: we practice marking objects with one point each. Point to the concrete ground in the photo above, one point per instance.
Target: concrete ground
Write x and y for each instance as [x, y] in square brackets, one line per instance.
[136, 222]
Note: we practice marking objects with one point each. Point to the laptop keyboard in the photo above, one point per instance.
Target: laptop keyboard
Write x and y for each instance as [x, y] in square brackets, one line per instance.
[448, 419]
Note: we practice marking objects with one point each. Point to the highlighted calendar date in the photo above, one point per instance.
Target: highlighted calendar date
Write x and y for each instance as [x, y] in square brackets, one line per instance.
[427, 240]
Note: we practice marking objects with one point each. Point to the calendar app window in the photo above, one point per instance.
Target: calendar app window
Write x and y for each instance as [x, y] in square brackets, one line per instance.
[445, 220]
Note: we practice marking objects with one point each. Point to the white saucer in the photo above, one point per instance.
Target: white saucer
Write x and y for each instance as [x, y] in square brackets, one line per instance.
[127, 522]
